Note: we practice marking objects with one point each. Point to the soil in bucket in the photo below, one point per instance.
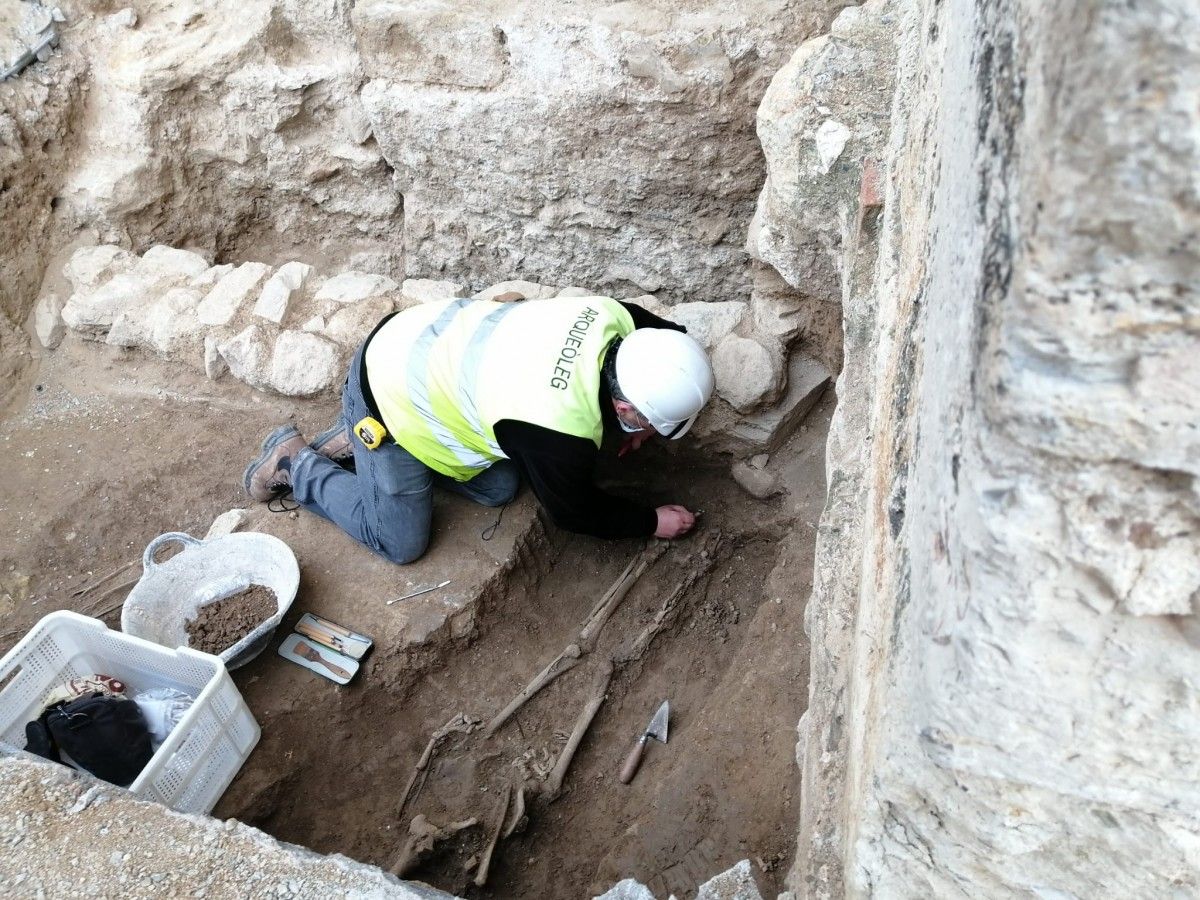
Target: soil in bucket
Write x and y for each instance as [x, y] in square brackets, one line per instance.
[221, 624]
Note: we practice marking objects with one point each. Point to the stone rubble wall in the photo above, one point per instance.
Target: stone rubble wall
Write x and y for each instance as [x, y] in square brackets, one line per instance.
[610, 146]
[586, 143]
[292, 329]
[1005, 644]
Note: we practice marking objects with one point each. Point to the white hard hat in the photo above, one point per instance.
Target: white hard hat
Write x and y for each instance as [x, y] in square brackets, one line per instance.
[666, 375]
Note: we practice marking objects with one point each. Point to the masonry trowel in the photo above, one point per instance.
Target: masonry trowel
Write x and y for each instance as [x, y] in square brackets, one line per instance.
[657, 729]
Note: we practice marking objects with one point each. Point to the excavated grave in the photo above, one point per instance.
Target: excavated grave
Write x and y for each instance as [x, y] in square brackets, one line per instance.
[97, 453]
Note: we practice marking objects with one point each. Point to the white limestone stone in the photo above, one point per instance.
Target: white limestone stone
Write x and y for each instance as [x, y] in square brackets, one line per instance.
[93, 311]
[129, 326]
[708, 323]
[277, 293]
[89, 267]
[163, 263]
[351, 287]
[735, 884]
[831, 141]
[210, 276]
[303, 364]
[350, 326]
[122, 18]
[247, 355]
[428, 290]
[744, 371]
[227, 296]
[48, 320]
[628, 888]
[315, 325]
[227, 523]
[172, 324]
[214, 363]
[829, 89]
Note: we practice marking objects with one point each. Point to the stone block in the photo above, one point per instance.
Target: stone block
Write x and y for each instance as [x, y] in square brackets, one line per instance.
[351, 287]
[93, 311]
[163, 263]
[129, 328]
[627, 889]
[734, 884]
[210, 276]
[214, 364]
[428, 290]
[277, 293]
[744, 370]
[246, 355]
[89, 267]
[227, 523]
[172, 323]
[708, 323]
[227, 296]
[349, 326]
[303, 364]
[529, 290]
[572, 291]
[770, 428]
[48, 320]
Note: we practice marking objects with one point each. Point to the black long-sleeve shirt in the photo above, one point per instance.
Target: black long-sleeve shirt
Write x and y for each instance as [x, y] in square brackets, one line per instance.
[561, 467]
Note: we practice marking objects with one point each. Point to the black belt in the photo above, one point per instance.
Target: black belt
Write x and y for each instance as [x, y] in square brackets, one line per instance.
[363, 384]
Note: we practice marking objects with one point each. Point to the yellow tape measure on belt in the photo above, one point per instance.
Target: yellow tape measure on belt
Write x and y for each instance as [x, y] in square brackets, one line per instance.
[371, 432]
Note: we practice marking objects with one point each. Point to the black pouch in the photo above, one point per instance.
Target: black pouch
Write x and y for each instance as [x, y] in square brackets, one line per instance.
[103, 734]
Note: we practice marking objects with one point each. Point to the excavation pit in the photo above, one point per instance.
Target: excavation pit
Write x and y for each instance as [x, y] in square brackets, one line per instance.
[333, 761]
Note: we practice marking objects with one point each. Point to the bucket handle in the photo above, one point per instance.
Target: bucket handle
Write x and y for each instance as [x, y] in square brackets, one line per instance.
[153, 547]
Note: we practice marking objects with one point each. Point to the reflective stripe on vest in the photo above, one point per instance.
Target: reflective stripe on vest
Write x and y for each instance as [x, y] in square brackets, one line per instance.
[444, 373]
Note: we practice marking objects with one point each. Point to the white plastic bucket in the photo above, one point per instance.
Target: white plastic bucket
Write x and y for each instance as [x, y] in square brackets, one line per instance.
[170, 593]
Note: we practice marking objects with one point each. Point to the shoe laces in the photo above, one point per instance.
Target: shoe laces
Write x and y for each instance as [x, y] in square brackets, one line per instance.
[281, 497]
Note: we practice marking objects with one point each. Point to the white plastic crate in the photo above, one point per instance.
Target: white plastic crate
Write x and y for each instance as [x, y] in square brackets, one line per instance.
[203, 753]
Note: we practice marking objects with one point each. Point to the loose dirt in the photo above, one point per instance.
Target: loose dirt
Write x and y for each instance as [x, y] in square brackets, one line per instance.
[95, 476]
[221, 624]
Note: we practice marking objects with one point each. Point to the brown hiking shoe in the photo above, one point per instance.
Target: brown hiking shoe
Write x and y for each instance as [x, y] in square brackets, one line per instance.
[334, 442]
[270, 475]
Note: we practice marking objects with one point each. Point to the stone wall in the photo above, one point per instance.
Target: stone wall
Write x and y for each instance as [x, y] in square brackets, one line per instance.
[588, 143]
[573, 143]
[292, 329]
[1004, 665]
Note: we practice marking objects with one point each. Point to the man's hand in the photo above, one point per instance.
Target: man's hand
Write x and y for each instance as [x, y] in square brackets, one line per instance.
[673, 521]
[633, 442]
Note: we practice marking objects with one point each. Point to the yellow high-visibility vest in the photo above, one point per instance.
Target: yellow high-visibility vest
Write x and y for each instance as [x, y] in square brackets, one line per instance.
[443, 374]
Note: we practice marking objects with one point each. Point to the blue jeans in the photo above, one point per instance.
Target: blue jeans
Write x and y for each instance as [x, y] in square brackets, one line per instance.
[386, 503]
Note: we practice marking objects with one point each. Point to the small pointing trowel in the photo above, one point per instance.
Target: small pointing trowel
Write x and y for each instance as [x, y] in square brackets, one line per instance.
[657, 729]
